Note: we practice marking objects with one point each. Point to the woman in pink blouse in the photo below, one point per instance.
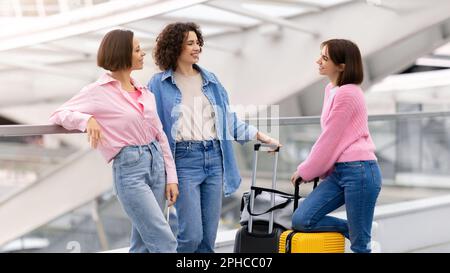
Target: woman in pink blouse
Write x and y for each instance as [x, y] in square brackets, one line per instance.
[120, 118]
[344, 153]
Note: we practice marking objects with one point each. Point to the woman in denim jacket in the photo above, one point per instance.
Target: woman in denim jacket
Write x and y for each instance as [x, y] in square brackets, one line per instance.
[344, 153]
[194, 110]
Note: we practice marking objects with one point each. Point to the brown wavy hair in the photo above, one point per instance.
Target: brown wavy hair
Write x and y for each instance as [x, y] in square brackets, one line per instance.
[169, 44]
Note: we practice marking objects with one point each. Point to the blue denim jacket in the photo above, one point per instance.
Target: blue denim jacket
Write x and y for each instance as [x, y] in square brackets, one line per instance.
[228, 126]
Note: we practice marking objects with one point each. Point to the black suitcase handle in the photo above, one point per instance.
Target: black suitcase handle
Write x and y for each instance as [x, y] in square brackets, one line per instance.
[297, 190]
[275, 148]
[259, 190]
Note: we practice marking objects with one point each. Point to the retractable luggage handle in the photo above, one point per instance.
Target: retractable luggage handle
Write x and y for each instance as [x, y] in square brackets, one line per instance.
[275, 149]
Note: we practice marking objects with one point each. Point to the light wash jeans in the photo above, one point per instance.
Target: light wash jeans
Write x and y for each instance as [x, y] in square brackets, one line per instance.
[355, 184]
[140, 184]
[200, 176]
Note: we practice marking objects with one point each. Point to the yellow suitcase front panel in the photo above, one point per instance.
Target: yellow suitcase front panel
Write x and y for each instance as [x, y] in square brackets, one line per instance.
[314, 242]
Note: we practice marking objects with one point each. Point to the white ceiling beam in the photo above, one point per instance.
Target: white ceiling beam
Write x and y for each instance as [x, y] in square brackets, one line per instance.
[379, 4]
[77, 49]
[41, 50]
[146, 38]
[68, 60]
[72, 45]
[10, 60]
[315, 6]
[402, 54]
[433, 61]
[206, 22]
[139, 31]
[208, 44]
[70, 49]
[215, 46]
[96, 17]
[231, 7]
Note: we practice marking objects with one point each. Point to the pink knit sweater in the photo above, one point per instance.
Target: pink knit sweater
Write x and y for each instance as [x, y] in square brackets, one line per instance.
[345, 133]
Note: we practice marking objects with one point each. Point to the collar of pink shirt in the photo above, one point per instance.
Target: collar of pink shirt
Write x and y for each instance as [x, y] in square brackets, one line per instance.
[107, 78]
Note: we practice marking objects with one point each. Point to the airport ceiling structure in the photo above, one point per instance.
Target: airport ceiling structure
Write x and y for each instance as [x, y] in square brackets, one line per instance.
[263, 51]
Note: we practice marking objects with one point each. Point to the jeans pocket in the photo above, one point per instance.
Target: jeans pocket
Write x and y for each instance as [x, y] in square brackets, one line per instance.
[181, 152]
[376, 175]
[129, 158]
[352, 172]
[353, 164]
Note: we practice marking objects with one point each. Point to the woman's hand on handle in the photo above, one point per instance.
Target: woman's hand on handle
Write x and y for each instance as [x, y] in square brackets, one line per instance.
[172, 193]
[294, 178]
[267, 140]
[94, 132]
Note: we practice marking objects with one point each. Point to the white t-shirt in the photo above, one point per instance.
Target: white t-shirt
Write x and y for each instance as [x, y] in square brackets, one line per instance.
[196, 121]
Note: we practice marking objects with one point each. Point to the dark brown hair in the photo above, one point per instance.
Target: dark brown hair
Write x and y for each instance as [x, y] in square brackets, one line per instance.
[346, 52]
[169, 44]
[116, 50]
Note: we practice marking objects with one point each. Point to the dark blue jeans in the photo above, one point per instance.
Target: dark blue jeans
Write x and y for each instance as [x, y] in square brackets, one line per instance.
[200, 177]
[355, 184]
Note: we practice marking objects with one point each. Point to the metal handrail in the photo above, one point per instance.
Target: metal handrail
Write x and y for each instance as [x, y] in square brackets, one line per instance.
[33, 130]
[316, 119]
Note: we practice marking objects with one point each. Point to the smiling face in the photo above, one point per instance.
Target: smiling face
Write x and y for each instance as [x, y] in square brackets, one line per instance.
[137, 56]
[326, 66]
[191, 49]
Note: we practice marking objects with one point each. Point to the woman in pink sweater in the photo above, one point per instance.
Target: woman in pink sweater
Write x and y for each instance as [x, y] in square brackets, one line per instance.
[344, 153]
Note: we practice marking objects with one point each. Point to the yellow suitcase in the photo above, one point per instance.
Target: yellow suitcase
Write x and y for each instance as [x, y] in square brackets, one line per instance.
[317, 242]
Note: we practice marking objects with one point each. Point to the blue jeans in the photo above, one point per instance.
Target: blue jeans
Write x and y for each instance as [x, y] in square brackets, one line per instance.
[140, 184]
[200, 176]
[355, 184]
